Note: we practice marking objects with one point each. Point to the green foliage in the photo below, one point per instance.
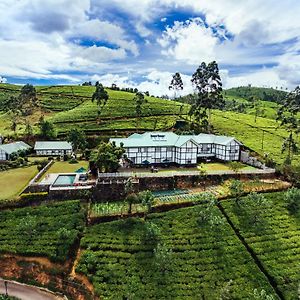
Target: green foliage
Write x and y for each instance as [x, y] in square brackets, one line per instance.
[288, 115]
[209, 95]
[236, 190]
[101, 96]
[34, 196]
[77, 138]
[176, 84]
[292, 198]
[254, 204]
[139, 101]
[180, 260]
[46, 129]
[276, 244]
[235, 166]
[108, 156]
[265, 94]
[147, 199]
[131, 199]
[46, 230]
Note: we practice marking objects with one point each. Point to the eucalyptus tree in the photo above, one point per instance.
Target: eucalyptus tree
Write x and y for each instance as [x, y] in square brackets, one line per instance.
[288, 115]
[208, 84]
[100, 96]
[176, 84]
[139, 100]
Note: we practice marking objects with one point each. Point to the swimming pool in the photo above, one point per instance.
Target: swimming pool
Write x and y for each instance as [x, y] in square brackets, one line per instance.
[64, 180]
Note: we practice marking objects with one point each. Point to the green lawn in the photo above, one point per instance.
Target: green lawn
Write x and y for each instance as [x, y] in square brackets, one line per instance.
[222, 167]
[66, 167]
[13, 181]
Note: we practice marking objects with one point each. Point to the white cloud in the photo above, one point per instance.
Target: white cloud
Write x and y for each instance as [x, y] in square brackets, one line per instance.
[3, 79]
[264, 78]
[104, 31]
[190, 41]
[109, 79]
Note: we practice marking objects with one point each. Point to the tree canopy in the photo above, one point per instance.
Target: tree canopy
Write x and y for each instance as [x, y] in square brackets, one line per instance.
[208, 84]
[176, 84]
[77, 138]
[288, 116]
[107, 157]
[46, 129]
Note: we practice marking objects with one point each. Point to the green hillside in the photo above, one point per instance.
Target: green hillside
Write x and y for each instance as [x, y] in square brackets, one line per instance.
[265, 94]
[71, 106]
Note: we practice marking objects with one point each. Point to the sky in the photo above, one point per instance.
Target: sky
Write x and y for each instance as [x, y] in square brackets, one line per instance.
[141, 43]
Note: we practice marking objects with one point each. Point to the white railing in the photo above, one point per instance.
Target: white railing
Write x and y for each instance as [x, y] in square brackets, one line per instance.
[183, 173]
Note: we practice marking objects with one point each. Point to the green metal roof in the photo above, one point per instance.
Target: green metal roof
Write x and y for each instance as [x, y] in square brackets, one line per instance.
[14, 147]
[165, 139]
[52, 145]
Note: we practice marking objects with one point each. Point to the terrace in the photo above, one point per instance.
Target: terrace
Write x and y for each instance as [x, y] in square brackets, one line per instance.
[207, 169]
[62, 176]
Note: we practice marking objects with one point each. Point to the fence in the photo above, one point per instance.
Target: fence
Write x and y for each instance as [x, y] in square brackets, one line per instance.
[183, 173]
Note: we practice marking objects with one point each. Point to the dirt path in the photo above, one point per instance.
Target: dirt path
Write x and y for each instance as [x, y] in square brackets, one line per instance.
[26, 292]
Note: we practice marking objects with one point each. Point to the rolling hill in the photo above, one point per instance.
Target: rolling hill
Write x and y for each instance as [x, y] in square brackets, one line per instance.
[69, 106]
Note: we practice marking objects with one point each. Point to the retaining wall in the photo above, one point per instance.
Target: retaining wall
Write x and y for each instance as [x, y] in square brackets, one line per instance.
[108, 189]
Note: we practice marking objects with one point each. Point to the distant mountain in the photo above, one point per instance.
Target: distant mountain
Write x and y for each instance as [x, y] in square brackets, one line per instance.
[265, 94]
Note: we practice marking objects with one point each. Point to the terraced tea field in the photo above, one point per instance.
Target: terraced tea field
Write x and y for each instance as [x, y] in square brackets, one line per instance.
[46, 230]
[275, 239]
[169, 256]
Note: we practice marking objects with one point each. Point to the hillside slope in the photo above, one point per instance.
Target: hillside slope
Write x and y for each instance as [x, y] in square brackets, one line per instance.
[71, 106]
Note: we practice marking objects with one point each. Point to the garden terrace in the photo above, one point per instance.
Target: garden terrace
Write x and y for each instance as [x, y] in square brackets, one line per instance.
[274, 238]
[180, 257]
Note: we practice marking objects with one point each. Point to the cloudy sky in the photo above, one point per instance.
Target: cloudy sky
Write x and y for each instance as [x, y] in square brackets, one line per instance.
[142, 42]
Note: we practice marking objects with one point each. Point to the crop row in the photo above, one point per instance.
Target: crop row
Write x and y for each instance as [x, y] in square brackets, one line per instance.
[46, 230]
[171, 255]
[275, 239]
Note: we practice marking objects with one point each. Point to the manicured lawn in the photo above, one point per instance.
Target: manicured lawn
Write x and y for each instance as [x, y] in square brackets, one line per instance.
[66, 167]
[13, 181]
[222, 167]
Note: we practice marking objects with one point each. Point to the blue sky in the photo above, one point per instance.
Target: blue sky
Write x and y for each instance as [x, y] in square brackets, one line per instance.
[141, 43]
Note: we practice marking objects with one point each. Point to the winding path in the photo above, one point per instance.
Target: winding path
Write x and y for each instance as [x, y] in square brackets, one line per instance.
[26, 292]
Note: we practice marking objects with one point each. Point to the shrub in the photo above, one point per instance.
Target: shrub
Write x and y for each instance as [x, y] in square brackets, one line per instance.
[42, 164]
[73, 161]
[34, 196]
[292, 198]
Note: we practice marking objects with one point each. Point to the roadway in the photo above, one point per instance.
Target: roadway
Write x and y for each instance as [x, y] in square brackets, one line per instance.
[26, 292]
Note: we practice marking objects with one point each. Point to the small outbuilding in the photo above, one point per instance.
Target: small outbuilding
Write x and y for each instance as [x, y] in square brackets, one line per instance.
[6, 150]
[53, 148]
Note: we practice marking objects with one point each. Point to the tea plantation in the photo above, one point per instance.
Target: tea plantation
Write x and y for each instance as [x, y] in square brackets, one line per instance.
[275, 239]
[175, 255]
[69, 106]
[46, 230]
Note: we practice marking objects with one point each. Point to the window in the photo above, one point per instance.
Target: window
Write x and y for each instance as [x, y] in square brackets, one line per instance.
[157, 149]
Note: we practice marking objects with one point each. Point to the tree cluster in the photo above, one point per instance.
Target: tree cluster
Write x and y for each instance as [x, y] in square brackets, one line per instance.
[107, 157]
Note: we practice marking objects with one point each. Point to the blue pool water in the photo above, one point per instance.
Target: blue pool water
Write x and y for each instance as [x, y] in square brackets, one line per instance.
[64, 180]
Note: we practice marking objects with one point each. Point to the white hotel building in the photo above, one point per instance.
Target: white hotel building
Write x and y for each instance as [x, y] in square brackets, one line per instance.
[168, 147]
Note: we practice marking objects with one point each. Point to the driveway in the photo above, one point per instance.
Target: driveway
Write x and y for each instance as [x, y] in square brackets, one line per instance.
[26, 292]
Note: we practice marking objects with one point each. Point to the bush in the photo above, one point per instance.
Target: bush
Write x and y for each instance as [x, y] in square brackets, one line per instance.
[292, 198]
[34, 196]
[73, 161]
[42, 164]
